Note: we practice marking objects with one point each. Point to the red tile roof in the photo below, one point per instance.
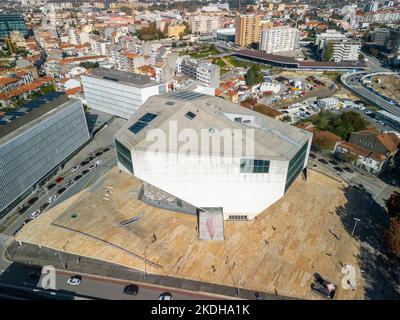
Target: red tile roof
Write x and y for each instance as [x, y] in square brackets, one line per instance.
[36, 84]
[362, 151]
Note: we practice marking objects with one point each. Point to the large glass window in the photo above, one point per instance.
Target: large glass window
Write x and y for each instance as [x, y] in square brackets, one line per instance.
[124, 156]
[254, 166]
[296, 165]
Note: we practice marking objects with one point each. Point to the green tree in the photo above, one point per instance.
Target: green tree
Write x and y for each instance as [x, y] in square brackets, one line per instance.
[253, 75]
[328, 52]
[361, 57]
[392, 233]
[150, 33]
[393, 205]
[126, 10]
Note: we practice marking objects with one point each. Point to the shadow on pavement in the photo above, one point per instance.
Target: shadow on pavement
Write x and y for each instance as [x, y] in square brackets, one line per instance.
[380, 268]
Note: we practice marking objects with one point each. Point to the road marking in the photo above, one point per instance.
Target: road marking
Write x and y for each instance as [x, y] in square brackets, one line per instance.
[5, 239]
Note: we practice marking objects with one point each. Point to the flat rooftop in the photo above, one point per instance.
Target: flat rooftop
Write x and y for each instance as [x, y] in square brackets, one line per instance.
[129, 78]
[18, 119]
[273, 139]
[290, 62]
[279, 250]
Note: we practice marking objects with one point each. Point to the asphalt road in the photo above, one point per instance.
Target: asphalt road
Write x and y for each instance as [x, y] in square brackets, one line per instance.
[107, 158]
[112, 289]
[354, 82]
[378, 189]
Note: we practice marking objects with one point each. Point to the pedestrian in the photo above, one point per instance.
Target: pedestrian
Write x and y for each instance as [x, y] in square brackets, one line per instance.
[154, 238]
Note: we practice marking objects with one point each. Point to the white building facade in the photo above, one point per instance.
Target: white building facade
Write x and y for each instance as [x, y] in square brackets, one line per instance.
[119, 93]
[240, 184]
[280, 39]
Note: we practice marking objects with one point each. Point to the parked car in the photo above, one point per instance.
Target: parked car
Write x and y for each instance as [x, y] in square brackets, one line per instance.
[33, 200]
[61, 190]
[69, 182]
[349, 170]
[16, 231]
[312, 156]
[77, 178]
[35, 214]
[59, 179]
[323, 161]
[98, 162]
[334, 162]
[44, 206]
[51, 186]
[85, 172]
[131, 289]
[75, 280]
[338, 169]
[165, 296]
[84, 163]
[91, 167]
[52, 198]
[23, 209]
[74, 169]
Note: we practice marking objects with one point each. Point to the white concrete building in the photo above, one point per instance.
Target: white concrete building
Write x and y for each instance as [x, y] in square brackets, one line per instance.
[280, 39]
[344, 50]
[204, 24]
[203, 72]
[328, 103]
[221, 158]
[329, 35]
[119, 93]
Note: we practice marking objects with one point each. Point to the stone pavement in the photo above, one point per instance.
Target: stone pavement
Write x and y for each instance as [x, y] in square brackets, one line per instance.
[279, 250]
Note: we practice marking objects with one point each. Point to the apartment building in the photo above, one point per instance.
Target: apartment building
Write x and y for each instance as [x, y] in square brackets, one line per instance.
[247, 30]
[343, 50]
[281, 39]
[204, 24]
[203, 72]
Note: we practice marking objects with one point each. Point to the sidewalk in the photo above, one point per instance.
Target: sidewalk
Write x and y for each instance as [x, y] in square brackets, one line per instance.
[31, 254]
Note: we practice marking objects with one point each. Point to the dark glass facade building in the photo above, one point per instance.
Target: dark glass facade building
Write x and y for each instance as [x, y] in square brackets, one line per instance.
[11, 22]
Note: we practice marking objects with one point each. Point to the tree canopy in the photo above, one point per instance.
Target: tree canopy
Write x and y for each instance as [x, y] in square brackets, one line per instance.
[150, 33]
[340, 124]
[328, 53]
[254, 75]
[392, 234]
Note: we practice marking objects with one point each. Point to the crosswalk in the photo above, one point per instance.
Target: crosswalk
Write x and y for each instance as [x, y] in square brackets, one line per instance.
[5, 239]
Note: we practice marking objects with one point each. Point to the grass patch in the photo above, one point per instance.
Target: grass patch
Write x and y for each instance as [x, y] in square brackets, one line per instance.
[203, 54]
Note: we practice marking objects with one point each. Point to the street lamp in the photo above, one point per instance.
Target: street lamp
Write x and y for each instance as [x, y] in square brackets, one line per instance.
[233, 280]
[330, 257]
[145, 262]
[354, 228]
